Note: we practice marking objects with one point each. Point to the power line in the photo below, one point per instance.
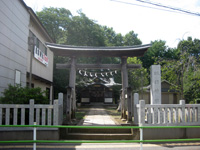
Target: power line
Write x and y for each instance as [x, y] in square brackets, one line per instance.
[167, 8]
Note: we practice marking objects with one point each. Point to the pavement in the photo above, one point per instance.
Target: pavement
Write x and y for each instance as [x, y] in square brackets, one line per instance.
[97, 116]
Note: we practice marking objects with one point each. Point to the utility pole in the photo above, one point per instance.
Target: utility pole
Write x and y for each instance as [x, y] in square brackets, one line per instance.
[32, 43]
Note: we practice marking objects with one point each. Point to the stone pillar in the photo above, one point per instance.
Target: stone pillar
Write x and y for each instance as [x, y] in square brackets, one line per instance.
[141, 112]
[135, 111]
[155, 89]
[68, 107]
[60, 103]
[182, 115]
[124, 74]
[129, 104]
[72, 82]
[31, 112]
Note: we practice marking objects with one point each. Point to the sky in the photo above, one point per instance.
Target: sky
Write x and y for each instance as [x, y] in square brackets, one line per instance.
[150, 24]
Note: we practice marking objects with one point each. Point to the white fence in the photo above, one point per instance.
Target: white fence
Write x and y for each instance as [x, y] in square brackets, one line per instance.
[16, 114]
[168, 114]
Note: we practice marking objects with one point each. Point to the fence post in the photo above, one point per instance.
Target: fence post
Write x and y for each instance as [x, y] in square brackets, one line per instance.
[198, 114]
[129, 104]
[182, 103]
[142, 112]
[34, 136]
[60, 103]
[55, 112]
[135, 111]
[141, 138]
[31, 111]
[68, 105]
[15, 116]
[73, 103]
[7, 116]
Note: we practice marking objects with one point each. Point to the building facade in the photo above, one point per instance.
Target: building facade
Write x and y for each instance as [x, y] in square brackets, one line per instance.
[22, 56]
[14, 32]
[168, 95]
[100, 91]
[39, 57]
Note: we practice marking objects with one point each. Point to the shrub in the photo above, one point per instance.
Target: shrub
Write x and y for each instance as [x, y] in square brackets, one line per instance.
[21, 95]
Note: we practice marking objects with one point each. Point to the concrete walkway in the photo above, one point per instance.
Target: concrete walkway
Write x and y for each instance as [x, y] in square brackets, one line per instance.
[97, 116]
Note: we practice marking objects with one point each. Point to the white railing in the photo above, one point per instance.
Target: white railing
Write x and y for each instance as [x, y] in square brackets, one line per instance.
[42, 114]
[168, 114]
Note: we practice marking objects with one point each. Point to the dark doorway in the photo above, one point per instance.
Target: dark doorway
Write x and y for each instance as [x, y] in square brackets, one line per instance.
[96, 93]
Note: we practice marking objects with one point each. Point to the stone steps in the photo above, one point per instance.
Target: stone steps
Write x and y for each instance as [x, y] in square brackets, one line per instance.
[87, 130]
[96, 134]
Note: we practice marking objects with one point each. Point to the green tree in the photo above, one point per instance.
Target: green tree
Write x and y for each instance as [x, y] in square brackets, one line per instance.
[131, 38]
[112, 38]
[158, 51]
[182, 69]
[137, 77]
[83, 31]
[109, 35]
[119, 40]
[189, 56]
[56, 21]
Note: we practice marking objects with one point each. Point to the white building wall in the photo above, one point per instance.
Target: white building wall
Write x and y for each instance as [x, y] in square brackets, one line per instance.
[13, 42]
[45, 72]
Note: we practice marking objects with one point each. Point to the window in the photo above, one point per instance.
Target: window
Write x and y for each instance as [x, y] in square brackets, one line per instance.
[48, 92]
[27, 84]
[38, 43]
[17, 77]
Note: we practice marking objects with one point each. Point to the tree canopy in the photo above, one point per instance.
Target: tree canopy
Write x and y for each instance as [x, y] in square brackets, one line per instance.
[182, 69]
[179, 66]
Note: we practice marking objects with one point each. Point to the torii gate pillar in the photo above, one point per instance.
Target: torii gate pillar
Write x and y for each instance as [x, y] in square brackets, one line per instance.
[124, 74]
[71, 98]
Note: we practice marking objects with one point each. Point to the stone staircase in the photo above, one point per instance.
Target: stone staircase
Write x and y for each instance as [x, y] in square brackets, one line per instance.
[96, 134]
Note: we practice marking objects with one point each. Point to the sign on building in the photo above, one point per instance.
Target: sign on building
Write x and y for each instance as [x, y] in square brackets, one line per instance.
[40, 56]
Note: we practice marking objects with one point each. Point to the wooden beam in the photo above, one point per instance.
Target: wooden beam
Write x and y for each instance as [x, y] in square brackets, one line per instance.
[98, 66]
[134, 66]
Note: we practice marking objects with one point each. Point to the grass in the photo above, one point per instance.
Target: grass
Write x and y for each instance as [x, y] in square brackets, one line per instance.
[81, 112]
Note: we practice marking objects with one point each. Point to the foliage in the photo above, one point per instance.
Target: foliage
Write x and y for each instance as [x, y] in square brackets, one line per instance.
[21, 95]
[137, 77]
[56, 21]
[84, 32]
[114, 39]
[111, 37]
[180, 66]
[131, 39]
[158, 50]
[183, 71]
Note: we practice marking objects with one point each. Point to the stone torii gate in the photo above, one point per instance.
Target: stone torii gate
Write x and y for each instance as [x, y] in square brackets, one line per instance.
[74, 52]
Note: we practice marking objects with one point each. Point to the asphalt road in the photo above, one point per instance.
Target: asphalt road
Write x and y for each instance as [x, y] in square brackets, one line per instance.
[106, 146]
